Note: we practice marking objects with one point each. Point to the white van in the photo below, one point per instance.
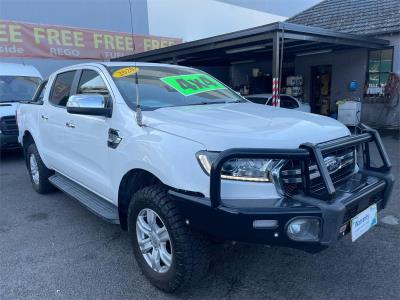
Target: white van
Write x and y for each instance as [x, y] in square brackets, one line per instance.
[18, 82]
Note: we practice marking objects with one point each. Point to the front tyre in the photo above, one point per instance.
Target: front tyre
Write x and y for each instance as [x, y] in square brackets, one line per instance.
[38, 172]
[169, 254]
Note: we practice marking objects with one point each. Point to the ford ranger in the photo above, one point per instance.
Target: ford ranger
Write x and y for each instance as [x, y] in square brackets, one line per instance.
[178, 159]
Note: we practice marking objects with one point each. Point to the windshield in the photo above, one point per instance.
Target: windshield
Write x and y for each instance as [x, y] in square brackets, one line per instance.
[16, 88]
[170, 86]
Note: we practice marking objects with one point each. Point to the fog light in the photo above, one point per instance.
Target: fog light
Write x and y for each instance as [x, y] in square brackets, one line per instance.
[304, 229]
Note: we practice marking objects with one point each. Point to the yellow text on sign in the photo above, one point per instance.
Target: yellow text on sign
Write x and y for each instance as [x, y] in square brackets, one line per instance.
[152, 44]
[59, 37]
[113, 42]
[125, 72]
[10, 33]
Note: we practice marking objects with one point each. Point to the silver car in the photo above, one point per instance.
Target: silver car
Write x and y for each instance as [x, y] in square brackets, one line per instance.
[286, 101]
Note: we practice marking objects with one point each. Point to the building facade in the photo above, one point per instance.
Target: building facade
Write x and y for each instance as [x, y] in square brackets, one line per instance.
[369, 68]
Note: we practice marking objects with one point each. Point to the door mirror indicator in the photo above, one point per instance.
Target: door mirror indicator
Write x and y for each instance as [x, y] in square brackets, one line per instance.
[88, 104]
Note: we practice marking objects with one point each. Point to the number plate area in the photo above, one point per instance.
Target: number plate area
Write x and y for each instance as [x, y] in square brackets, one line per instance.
[363, 222]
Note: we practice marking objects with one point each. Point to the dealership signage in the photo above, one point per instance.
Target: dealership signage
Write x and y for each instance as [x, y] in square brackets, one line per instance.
[192, 84]
[20, 39]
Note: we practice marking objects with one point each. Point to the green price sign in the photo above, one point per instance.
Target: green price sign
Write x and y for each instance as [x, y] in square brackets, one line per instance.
[193, 83]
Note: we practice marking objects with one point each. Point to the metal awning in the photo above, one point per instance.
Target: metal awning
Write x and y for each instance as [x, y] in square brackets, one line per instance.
[261, 42]
[277, 42]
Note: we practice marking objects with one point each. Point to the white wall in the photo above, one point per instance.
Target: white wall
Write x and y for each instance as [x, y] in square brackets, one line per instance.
[194, 19]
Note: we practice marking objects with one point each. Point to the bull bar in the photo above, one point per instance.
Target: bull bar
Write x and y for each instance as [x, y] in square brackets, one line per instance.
[213, 217]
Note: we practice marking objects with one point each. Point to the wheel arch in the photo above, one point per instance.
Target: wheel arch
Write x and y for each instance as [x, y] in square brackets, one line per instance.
[27, 139]
[131, 182]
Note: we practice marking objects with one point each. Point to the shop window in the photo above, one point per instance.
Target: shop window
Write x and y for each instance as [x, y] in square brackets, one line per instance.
[379, 66]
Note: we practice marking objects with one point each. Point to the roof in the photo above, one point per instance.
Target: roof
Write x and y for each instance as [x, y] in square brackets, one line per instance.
[12, 69]
[257, 41]
[367, 17]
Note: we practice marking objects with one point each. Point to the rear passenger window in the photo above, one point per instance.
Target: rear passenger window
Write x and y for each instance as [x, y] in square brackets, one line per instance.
[62, 88]
[92, 83]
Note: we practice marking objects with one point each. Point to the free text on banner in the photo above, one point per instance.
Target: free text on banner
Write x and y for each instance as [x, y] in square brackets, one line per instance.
[20, 39]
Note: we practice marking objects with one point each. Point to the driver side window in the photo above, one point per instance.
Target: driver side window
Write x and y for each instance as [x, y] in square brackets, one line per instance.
[92, 83]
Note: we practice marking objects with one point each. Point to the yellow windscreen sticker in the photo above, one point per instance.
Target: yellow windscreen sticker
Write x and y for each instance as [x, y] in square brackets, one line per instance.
[125, 72]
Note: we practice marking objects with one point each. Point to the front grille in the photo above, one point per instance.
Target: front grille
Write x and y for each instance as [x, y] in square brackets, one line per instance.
[347, 164]
[8, 125]
[292, 177]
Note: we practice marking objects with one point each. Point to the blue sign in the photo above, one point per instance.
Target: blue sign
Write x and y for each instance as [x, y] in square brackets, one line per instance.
[353, 85]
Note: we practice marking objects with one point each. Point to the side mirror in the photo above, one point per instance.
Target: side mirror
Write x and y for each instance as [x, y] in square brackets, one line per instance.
[88, 104]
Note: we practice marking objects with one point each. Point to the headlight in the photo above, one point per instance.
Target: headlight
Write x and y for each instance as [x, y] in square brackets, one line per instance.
[258, 170]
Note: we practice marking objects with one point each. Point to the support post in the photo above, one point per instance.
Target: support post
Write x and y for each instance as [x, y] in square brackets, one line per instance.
[275, 68]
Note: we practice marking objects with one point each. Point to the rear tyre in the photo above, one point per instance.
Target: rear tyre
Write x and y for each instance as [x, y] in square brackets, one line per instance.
[38, 172]
[169, 254]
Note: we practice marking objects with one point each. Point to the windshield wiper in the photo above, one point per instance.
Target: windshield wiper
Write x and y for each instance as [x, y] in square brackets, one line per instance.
[6, 101]
[237, 101]
[206, 103]
[9, 100]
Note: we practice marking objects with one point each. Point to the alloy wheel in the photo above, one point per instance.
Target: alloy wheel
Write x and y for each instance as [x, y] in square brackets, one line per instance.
[154, 240]
[34, 169]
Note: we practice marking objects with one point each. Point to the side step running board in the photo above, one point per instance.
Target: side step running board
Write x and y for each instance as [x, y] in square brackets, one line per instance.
[88, 199]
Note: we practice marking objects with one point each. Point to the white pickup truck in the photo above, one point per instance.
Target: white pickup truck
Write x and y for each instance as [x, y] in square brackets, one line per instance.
[177, 158]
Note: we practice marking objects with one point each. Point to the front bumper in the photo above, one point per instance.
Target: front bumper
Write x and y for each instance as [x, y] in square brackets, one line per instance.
[9, 142]
[214, 217]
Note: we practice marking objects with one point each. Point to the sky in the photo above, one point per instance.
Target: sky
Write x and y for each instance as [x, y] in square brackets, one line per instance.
[285, 8]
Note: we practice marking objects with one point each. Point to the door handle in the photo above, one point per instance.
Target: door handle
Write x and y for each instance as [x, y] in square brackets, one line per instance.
[45, 117]
[70, 125]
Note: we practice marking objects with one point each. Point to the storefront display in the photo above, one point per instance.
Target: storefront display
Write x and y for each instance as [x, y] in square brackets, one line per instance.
[294, 86]
[380, 64]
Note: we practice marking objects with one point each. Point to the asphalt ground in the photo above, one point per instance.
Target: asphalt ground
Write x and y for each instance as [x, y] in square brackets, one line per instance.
[52, 248]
